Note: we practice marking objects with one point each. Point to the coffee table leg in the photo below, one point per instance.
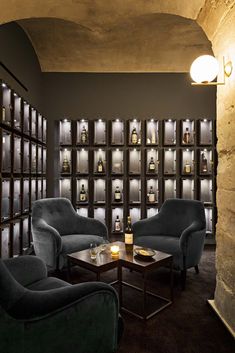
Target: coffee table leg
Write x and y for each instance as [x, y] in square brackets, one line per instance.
[144, 295]
[120, 284]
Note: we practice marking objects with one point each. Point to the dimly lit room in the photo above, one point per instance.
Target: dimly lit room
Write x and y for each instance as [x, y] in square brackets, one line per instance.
[117, 186]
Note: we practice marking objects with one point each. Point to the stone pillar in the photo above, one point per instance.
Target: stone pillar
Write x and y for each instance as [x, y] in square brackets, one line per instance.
[224, 303]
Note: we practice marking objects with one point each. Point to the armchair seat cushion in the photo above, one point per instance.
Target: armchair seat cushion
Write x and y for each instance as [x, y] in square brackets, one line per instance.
[77, 242]
[47, 284]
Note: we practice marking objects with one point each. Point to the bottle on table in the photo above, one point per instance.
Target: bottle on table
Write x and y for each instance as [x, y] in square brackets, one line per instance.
[129, 236]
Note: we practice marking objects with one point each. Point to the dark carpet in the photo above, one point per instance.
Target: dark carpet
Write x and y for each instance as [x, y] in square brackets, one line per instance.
[187, 326]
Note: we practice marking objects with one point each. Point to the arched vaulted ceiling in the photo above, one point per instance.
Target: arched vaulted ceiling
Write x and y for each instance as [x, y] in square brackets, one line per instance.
[113, 36]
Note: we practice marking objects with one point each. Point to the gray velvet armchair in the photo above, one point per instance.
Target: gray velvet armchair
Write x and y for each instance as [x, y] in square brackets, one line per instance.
[58, 230]
[178, 229]
[40, 314]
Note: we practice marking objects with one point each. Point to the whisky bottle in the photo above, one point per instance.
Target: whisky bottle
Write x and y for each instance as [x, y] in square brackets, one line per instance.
[84, 135]
[117, 225]
[65, 166]
[204, 166]
[186, 138]
[129, 236]
[117, 195]
[134, 136]
[187, 168]
[100, 166]
[83, 194]
[151, 195]
[152, 165]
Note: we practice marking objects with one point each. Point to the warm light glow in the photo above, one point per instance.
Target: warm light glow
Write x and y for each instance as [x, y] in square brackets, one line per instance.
[117, 120]
[114, 250]
[204, 69]
[169, 120]
[152, 120]
[100, 120]
[3, 85]
[134, 120]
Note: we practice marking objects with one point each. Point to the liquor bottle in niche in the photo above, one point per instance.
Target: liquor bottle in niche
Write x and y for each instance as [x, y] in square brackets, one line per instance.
[187, 168]
[100, 166]
[117, 225]
[204, 166]
[83, 194]
[134, 136]
[152, 165]
[117, 195]
[129, 236]
[84, 135]
[186, 137]
[65, 166]
[151, 195]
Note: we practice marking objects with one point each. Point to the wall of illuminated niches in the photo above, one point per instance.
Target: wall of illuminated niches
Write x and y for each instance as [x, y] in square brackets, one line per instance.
[126, 165]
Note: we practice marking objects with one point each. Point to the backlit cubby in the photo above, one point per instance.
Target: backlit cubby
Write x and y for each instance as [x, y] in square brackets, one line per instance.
[65, 160]
[25, 194]
[152, 135]
[134, 191]
[152, 191]
[187, 132]
[33, 189]
[16, 197]
[6, 151]
[17, 154]
[117, 161]
[169, 187]
[100, 132]
[82, 132]
[134, 161]
[44, 130]
[82, 211]
[135, 214]
[44, 188]
[99, 157]
[33, 158]
[26, 118]
[44, 160]
[5, 241]
[187, 161]
[39, 188]
[33, 123]
[5, 199]
[209, 220]
[82, 184]
[16, 231]
[135, 132]
[152, 161]
[169, 132]
[206, 191]
[99, 191]
[205, 133]
[65, 187]
[82, 162]
[169, 161]
[26, 156]
[17, 111]
[117, 134]
[65, 132]
[117, 213]
[206, 161]
[40, 125]
[117, 184]
[152, 211]
[25, 234]
[6, 104]
[100, 214]
[187, 189]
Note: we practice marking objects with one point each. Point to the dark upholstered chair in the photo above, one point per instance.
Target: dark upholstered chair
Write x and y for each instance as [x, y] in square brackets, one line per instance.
[178, 229]
[40, 314]
[58, 230]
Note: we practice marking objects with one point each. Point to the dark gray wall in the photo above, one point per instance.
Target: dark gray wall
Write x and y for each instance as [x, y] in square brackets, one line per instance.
[18, 55]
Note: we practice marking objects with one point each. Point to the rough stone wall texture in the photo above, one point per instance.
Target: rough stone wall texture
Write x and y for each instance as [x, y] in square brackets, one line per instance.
[224, 45]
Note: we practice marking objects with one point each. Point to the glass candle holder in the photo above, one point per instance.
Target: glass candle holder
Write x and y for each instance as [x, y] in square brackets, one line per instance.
[114, 250]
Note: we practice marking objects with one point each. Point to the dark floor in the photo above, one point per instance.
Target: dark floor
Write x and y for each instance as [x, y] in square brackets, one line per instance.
[188, 326]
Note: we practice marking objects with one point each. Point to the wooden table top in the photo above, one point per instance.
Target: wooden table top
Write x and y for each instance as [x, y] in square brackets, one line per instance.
[105, 261]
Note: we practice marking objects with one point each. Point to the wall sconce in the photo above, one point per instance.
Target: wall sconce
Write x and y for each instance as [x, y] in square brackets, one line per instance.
[206, 68]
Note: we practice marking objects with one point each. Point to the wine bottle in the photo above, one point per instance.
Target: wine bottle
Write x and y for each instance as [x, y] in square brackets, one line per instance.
[134, 136]
[152, 165]
[100, 166]
[151, 195]
[186, 138]
[65, 166]
[117, 194]
[204, 166]
[83, 194]
[187, 168]
[129, 236]
[117, 225]
[84, 135]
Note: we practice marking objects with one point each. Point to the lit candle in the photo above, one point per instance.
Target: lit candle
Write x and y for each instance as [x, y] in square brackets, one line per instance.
[114, 250]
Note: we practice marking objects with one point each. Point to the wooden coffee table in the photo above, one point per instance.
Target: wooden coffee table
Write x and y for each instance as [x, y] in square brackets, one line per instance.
[106, 262]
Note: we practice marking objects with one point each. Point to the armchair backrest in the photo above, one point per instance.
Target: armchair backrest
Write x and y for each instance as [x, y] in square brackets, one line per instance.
[57, 212]
[180, 214]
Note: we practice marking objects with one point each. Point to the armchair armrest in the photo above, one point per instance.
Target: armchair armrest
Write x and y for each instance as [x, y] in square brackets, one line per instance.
[90, 226]
[149, 226]
[26, 269]
[46, 240]
[37, 305]
[184, 240]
